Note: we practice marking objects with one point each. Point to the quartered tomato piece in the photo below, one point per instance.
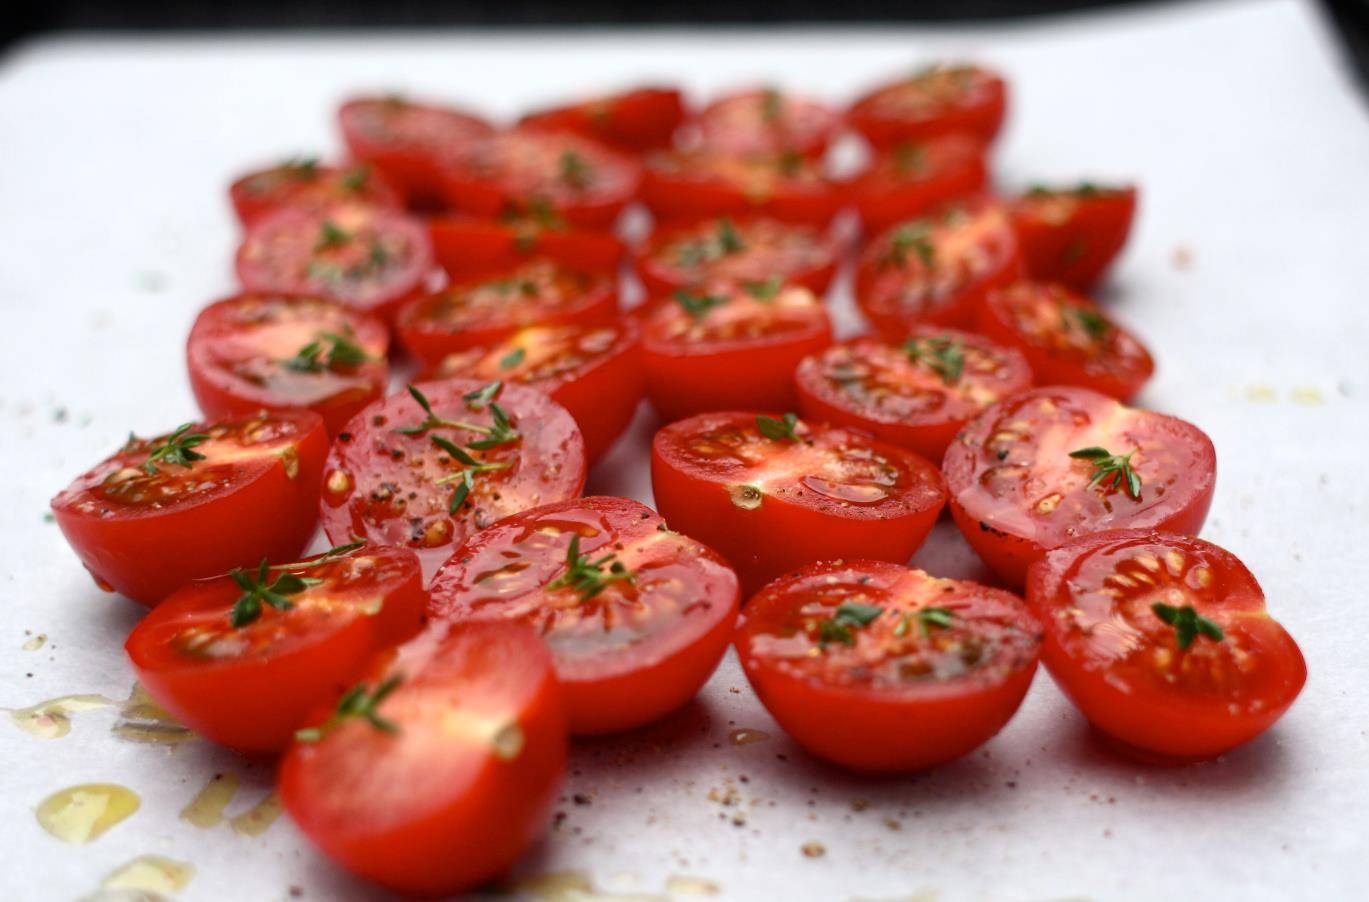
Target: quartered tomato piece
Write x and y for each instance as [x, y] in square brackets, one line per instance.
[730, 346]
[636, 616]
[936, 270]
[364, 257]
[304, 184]
[877, 667]
[482, 312]
[634, 121]
[1047, 466]
[1163, 642]
[197, 502]
[438, 769]
[745, 251]
[252, 351]
[767, 121]
[700, 184]
[527, 170]
[913, 179]
[426, 468]
[407, 141]
[774, 493]
[1067, 338]
[938, 100]
[1073, 235]
[467, 247]
[594, 371]
[244, 659]
[917, 394]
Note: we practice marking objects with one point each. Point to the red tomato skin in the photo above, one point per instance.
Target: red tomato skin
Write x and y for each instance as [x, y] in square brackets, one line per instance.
[661, 279]
[982, 118]
[641, 691]
[816, 124]
[779, 536]
[129, 554]
[862, 731]
[1078, 250]
[255, 706]
[458, 842]
[957, 171]
[251, 206]
[1010, 555]
[635, 121]
[1141, 724]
[689, 197]
[220, 396]
[467, 247]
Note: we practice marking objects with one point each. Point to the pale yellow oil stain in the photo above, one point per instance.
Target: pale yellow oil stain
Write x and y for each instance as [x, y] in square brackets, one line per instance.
[150, 874]
[747, 736]
[80, 814]
[1307, 396]
[141, 719]
[206, 809]
[576, 886]
[258, 819]
[52, 719]
[686, 885]
[1260, 394]
[36, 642]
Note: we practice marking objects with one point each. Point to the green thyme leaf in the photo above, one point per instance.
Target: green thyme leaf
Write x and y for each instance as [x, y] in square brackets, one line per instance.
[331, 235]
[512, 359]
[764, 291]
[943, 356]
[258, 592]
[589, 577]
[781, 430]
[698, 305]
[177, 448]
[357, 702]
[1188, 623]
[1111, 471]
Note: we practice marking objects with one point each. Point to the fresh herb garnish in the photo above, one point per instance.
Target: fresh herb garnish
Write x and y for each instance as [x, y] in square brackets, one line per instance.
[588, 577]
[303, 168]
[1094, 324]
[789, 163]
[781, 430]
[698, 305]
[772, 105]
[341, 353]
[355, 179]
[911, 237]
[909, 158]
[499, 432]
[258, 592]
[849, 615]
[729, 239]
[512, 359]
[332, 554]
[764, 291]
[177, 448]
[943, 356]
[575, 170]
[1188, 623]
[482, 396]
[357, 702]
[331, 235]
[1111, 470]
[927, 619]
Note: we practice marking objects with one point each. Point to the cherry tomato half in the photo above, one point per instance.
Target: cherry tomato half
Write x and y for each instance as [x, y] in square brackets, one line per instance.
[370, 259]
[243, 660]
[723, 251]
[917, 394]
[637, 616]
[407, 141]
[594, 371]
[444, 765]
[878, 667]
[634, 121]
[1164, 643]
[936, 270]
[915, 178]
[1047, 466]
[304, 184]
[701, 184]
[772, 494]
[467, 247]
[526, 170]
[767, 121]
[937, 100]
[399, 474]
[1067, 338]
[1072, 236]
[730, 346]
[252, 352]
[481, 312]
[197, 502]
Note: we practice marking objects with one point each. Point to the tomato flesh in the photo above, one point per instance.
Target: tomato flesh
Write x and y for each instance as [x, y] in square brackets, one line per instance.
[913, 179]
[1016, 492]
[1129, 671]
[939, 100]
[770, 505]
[748, 251]
[306, 185]
[767, 121]
[918, 394]
[408, 141]
[1073, 236]
[467, 247]
[463, 782]
[634, 121]
[252, 495]
[939, 668]
[626, 655]
[685, 186]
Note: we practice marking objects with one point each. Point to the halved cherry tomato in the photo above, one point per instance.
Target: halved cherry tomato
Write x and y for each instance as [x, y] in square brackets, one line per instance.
[635, 121]
[1164, 643]
[918, 394]
[938, 100]
[703, 184]
[1072, 236]
[772, 494]
[913, 179]
[396, 474]
[750, 250]
[467, 247]
[408, 141]
[730, 346]
[252, 352]
[936, 270]
[767, 121]
[637, 616]
[304, 184]
[364, 257]
[197, 502]
[1067, 338]
[444, 765]
[881, 668]
[1047, 466]
[482, 312]
[243, 660]
[529, 170]
[594, 371]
